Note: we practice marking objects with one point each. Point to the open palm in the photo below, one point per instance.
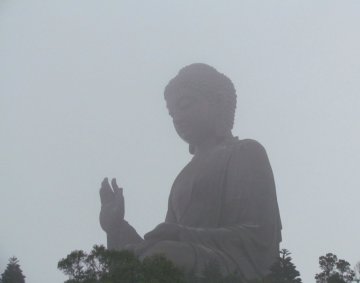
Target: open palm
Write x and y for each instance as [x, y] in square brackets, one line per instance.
[112, 206]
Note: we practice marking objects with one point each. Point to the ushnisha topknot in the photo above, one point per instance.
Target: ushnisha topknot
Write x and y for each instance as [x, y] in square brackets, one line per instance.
[202, 79]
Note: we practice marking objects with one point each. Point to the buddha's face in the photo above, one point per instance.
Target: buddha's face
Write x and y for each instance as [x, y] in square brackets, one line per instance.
[193, 116]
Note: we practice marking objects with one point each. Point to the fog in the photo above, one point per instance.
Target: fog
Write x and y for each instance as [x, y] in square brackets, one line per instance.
[81, 98]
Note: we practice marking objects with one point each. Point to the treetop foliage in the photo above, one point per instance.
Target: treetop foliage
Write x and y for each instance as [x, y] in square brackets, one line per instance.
[283, 270]
[13, 272]
[108, 266]
[334, 270]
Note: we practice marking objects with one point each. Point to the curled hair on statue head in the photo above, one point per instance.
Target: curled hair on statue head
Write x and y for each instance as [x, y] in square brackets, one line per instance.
[206, 81]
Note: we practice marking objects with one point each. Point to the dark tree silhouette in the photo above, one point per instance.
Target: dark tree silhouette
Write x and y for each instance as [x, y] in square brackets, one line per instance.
[334, 270]
[13, 272]
[283, 270]
[109, 266]
[327, 265]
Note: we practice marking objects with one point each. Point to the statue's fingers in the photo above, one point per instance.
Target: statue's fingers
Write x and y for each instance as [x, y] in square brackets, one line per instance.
[119, 198]
[105, 186]
[118, 192]
[115, 186]
[106, 193]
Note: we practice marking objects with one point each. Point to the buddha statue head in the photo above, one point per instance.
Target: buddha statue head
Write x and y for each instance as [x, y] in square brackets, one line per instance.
[202, 103]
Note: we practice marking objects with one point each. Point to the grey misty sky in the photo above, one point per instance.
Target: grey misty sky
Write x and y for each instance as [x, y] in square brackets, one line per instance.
[81, 98]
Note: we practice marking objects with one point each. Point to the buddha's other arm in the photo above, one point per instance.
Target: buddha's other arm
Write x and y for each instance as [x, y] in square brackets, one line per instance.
[119, 232]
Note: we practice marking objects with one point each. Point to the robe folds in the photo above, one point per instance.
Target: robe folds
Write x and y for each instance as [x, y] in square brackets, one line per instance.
[226, 204]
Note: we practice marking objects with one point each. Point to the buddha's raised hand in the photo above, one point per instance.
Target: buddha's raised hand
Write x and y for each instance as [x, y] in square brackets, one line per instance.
[112, 206]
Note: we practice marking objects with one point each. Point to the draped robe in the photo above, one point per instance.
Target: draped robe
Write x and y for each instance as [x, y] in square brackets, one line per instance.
[226, 203]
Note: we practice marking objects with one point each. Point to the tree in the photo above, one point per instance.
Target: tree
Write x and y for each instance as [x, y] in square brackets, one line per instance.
[344, 270]
[13, 272]
[157, 269]
[334, 270]
[109, 266]
[283, 270]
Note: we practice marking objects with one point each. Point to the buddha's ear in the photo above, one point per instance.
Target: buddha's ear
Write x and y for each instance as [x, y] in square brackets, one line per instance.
[191, 149]
[222, 128]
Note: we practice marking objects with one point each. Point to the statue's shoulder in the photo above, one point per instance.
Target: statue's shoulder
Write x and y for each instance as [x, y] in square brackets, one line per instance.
[247, 145]
[248, 152]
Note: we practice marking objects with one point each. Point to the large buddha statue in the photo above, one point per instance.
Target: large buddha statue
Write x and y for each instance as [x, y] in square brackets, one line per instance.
[222, 206]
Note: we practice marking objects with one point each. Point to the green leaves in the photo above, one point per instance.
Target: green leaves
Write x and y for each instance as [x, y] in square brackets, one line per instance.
[109, 266]
[283, 270]
[13, 272]
[334, 270]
